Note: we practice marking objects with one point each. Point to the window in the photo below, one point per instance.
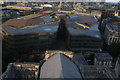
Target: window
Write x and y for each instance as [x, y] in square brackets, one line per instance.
[110, 39]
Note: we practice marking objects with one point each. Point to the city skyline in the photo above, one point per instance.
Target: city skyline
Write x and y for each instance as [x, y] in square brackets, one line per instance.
[62, 0]
[60, 40]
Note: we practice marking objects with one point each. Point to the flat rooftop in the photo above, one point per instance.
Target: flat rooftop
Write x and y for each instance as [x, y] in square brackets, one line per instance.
[95, 72]
[31, 24]
[51, 28]
[114, 26]
[29, 20]
[83, 25]
[102, 9]
[103, 56]
[21, 70]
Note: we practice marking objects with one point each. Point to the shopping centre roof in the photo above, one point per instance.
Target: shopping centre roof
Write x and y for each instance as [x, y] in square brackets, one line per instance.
[83, 25]
[51, 28]
[29, 20]
[31, 24]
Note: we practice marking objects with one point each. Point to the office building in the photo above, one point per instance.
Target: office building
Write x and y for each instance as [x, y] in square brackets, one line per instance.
[95, 72]
[30, 33]
[107, 13]
[83, 33]
[57, 64]
[112, 32]
[25, 70]
[109, 25]
[117, 67]
[104, 59]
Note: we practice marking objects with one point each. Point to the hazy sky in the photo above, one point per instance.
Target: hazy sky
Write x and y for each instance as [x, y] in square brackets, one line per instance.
[55, 0]
[112, 0]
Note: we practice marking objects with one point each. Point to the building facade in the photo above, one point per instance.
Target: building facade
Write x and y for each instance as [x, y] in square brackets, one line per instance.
[112, 32]
[104, 59]
[117, 67]
[106, 14]
[83, 34]
[57, 65]
[29, 33]
[21, 71]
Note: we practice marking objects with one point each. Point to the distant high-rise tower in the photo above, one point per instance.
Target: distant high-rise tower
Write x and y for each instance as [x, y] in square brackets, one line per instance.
[60, 6]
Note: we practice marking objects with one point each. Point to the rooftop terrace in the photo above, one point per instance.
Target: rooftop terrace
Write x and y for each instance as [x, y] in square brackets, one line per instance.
[83, 25]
